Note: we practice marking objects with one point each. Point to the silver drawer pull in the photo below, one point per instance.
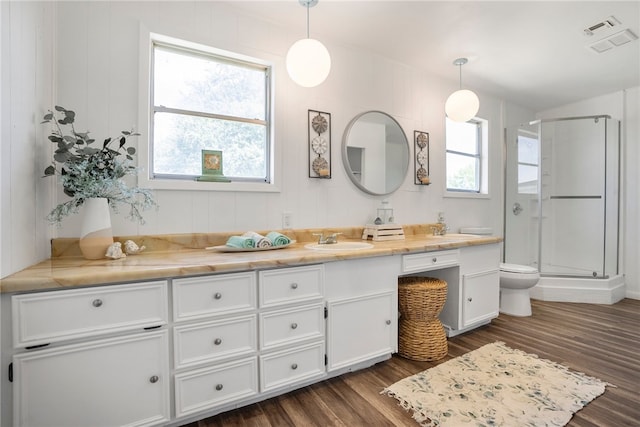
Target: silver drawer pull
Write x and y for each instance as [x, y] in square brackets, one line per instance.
[217, 341]
[294, 286]
[218, 387]
[388, 322]
[434, 259]
[294, 366]
[97, 302]
[154, 379]
[294, 326]
[217, 295]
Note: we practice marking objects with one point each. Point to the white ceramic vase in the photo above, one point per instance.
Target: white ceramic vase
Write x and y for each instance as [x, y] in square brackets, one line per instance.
[95, 233]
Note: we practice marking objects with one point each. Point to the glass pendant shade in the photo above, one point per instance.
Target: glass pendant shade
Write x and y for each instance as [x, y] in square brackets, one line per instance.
[462, 105]
[308, 62]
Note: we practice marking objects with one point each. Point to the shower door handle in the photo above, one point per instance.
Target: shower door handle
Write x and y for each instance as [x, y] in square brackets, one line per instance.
[517, 208]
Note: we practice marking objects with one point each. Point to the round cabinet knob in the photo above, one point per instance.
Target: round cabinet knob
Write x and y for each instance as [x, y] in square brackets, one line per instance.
[154, 379]
[218, 387]
[97, 302]
[217, 341]
[294, 286]
[217, 295]
[434, 259]
[469, 299]
[294, 326]
[294, 366]
[388, 322]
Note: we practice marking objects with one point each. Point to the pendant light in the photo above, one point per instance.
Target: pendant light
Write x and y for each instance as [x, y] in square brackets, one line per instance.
[308, 61]
[462, 105]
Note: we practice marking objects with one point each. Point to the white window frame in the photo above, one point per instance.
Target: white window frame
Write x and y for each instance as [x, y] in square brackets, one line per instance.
[483, 173]
[145, 112]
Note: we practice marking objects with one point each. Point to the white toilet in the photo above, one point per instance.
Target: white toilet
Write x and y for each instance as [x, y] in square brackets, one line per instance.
[515, 281]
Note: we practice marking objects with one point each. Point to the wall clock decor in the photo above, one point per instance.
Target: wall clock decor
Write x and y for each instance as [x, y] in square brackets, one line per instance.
[319, 144]
[421, 162]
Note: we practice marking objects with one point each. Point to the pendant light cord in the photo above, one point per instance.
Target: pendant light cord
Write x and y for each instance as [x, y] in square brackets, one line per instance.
[460, 67]
[307, 20]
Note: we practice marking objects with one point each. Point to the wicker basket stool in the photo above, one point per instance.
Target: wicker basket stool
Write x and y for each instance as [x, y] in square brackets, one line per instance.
[421, 334]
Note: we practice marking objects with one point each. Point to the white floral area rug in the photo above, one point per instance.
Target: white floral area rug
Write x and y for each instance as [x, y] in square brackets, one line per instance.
[496, 386]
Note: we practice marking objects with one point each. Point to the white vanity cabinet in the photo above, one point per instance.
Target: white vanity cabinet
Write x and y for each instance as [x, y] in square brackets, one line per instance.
[472, 274]
[172, 351]
[214, 341]
[362, 321]
[82, 356]
[473, 291]
[292, 329]
[479, 301]
[239, 336]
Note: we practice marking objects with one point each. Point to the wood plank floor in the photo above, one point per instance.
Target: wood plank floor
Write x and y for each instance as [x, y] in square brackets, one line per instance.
[600, 340]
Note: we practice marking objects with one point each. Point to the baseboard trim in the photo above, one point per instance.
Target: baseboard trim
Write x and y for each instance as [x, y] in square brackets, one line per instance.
[567, 289]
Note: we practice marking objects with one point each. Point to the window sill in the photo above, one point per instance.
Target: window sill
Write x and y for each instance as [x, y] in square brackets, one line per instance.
[463, 195]
[184, 185]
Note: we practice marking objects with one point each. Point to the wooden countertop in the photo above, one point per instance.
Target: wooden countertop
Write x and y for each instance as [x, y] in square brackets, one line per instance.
[61, 272]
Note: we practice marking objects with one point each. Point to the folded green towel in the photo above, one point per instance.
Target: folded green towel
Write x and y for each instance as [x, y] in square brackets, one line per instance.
[259, 240]
[278, 239]
[241, 242]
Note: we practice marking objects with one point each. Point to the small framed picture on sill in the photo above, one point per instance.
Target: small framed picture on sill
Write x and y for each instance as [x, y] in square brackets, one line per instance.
[212, 166]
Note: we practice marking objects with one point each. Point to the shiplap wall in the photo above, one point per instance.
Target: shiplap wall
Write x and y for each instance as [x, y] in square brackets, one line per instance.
[101, 41]
[85, 55]
[26, 86]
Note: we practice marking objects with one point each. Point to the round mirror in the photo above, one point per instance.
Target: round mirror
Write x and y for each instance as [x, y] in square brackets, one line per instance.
[375, 153]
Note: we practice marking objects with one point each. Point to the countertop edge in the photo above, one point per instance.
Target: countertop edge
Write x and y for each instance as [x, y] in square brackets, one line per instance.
[69, 272]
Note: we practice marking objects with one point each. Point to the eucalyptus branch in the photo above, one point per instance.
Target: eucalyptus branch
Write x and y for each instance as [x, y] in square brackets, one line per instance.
[87, 172]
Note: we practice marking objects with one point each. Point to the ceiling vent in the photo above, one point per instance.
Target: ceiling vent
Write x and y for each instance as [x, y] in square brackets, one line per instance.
[615, 40]
[599, 27]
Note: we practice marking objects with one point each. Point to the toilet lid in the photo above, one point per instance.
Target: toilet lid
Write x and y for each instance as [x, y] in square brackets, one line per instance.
[517, 268]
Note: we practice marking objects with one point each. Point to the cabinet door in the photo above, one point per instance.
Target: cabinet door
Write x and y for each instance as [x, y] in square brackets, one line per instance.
[361, 328]
[480, 297]
[111, 382]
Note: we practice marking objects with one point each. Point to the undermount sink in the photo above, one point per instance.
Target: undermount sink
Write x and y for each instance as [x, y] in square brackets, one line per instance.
[340, 246]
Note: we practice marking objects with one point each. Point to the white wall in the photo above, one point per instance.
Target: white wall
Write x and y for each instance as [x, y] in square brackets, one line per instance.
[26, 86]
[95, 72]
[623, 106]
[102, 87]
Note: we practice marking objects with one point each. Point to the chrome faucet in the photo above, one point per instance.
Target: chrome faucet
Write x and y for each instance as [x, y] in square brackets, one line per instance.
[327, 240]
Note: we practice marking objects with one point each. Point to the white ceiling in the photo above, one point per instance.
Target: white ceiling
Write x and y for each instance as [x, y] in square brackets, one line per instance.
[530, 52]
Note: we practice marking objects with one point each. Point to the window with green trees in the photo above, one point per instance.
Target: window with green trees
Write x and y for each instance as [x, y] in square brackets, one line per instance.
[207, 100]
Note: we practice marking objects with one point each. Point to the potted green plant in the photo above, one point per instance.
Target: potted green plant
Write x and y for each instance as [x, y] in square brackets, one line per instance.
[88, 172]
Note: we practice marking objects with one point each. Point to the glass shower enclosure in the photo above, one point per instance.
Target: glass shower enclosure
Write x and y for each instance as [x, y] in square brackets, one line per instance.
[562, 196]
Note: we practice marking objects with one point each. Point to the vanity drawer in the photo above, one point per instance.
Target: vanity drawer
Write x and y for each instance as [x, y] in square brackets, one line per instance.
[288, 367]
[211, 341]
[47, 317]
[198, 297]
[288, 285]
[216, 386]
[430, 261]
[283, 327]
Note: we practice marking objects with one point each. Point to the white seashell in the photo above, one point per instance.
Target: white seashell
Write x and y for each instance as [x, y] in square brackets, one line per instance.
[114, 251]
[131, 248]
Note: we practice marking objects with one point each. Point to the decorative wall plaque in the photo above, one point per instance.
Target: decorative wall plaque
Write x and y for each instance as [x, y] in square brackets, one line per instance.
[421, 162]
[319, 144]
